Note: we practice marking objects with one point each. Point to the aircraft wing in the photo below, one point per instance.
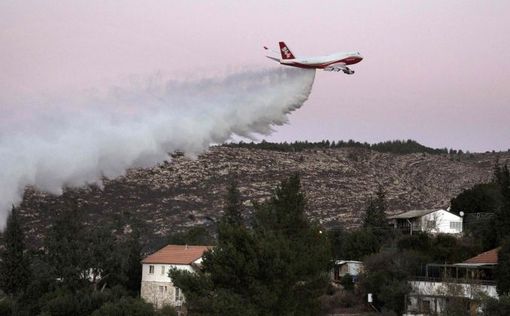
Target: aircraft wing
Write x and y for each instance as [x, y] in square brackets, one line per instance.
[271, 57]
[336, 67]
[274, 58]
[339, 67]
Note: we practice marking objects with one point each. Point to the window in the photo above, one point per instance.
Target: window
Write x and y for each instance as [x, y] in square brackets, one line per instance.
[431, 224]
[161, 289]
[151, 269]
[162, 270]
[456, 225]
[178, 294]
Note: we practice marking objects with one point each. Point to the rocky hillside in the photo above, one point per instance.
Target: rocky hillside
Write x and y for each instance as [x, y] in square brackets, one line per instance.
[337, 182]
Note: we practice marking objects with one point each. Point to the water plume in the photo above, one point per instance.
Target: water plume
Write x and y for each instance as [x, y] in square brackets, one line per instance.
[79, 139]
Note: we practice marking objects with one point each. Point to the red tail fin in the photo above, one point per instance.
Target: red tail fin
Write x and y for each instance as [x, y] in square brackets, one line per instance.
[286, 53]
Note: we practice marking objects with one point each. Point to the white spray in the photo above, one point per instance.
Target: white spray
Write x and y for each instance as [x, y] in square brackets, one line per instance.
[77, 141]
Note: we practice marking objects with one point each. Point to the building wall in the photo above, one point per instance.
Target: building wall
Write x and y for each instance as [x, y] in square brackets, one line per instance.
[159, 293]
[442, 221]
[157, 287]
[355, 268]
[471, 291]
[160, 273]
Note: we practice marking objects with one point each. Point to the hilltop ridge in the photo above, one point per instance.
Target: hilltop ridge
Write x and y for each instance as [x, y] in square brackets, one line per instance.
[338, 182]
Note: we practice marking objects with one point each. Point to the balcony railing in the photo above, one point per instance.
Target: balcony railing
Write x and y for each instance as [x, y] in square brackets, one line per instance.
[453, 280]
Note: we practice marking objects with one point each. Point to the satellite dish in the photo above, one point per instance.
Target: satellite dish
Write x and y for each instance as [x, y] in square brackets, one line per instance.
[461, 214]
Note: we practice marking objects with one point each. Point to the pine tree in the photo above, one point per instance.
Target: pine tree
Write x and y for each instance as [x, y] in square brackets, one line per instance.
[502, 179]
[133, 262]
[375, 213]
[67, 254]
[14, 265]
[503, 269]
[233, 205]
[278, 267]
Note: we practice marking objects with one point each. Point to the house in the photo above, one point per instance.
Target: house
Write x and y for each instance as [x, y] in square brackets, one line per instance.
[432, 221]
[343, 267]
[464, 282]
[157, 287]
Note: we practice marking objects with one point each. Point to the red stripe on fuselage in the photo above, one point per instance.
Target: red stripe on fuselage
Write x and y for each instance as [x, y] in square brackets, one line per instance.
[347, 61]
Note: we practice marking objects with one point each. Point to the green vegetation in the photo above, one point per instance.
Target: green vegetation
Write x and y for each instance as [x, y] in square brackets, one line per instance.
[14, 264]
[491, 203]
[194, 236]
[82, 271]
[357, 244]
[347, 282]
[503, 269]
[393, 146]
[497, 307]
[276, 262]
[278, 266]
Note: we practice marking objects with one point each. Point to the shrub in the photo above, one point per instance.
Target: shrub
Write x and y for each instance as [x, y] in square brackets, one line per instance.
[347, 282]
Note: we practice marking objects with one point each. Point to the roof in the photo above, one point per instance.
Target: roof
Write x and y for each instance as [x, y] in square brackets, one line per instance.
[488, 257]
[177, 254]
[412, 214]
[341, 262]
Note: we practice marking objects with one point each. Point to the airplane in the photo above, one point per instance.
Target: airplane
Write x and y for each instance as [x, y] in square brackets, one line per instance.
[334, 62]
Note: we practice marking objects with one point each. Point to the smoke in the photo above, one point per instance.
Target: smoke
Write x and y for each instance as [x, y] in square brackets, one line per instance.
[79, 139]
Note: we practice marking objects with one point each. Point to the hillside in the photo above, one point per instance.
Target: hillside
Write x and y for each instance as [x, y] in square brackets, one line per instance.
[338, 182]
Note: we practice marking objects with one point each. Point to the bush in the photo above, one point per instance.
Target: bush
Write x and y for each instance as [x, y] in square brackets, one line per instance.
[386, 279]
[347, 283]
[62, 305]
[5, 306]
[126, 306]
[419, 242]
[348, 299]
[494, 307]
[167, 310]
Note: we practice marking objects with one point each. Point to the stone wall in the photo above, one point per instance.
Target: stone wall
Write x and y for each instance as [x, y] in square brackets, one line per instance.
[158, 293]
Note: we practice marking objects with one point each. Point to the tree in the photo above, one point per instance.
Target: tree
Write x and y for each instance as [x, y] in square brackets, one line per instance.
[286, 234]
[133, 266]
[233, 205]
[359, 244]
[386, 278]
[502, 178]
[99, 253]
[503, 269]
[262, 270]
[15, 264]
[497, 307]
[197, 235]
[126, 306]
[481, 198]
[492, 201]
[375, 215]
[347, 283]
[66, 251]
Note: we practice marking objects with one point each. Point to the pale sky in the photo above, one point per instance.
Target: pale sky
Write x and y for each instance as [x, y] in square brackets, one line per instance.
[434, 71]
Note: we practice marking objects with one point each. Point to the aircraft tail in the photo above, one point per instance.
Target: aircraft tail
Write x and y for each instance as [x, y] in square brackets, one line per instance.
[285, 51]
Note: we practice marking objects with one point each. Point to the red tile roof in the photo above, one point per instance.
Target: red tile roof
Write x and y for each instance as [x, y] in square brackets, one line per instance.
[177, 254]
[488, 257]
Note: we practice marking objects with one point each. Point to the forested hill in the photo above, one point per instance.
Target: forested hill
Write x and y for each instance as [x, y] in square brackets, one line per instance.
[337, 181]
[393, 146]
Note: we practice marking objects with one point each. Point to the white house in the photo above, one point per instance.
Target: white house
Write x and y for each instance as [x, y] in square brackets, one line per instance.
[157, 287]
[343, 267]
[467, 281]
[432, 221]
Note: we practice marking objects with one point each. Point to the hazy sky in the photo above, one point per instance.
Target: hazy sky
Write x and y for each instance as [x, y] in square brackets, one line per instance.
[434, 71]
